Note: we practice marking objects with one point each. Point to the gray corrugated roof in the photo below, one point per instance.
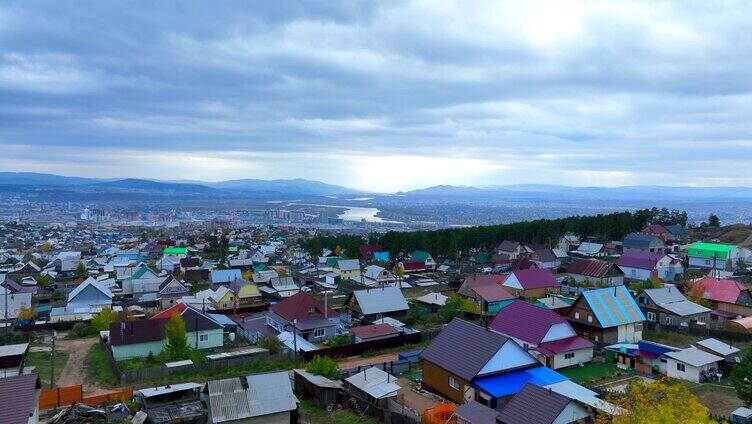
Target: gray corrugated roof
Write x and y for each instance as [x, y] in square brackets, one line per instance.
[533, 405]
[718, 347]
[228, 400]
[694, 356]
[375, 382]
[640, 240]
[348, 264]
[271, 393]
[463, 348]
[672, 300]
[381, 300]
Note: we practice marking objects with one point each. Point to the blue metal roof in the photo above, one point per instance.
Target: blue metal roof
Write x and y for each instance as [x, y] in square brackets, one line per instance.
[510, 383]
[613, 306]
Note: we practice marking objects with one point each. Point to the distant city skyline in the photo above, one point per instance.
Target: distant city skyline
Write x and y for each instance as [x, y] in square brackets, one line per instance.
[380, 96]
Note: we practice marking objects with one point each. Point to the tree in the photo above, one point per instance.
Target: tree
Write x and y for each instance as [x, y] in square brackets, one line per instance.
[177, 340]
[453, 308]
[102, 321]
[741, 377]
[338, 340]
[714, 221]
[26, 314]
[81, 270]
[662, 402]
[414, 315]
[270, 343]
[43, 280]
[324, 366]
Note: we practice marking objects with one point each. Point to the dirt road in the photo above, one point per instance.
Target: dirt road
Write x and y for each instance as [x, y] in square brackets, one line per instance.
[359, 361]
[75, 371]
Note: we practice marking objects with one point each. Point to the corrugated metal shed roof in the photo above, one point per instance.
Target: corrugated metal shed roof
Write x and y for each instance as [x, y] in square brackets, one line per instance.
[613, 306]
[534, 405]
[17, 398]
[375, 382]
[381, 300]
[271, 393]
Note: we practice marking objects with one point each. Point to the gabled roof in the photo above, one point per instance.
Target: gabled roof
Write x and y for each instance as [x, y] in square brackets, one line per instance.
[347, 264]
[591, 268]
[694, 356]
[195, 320]
[299, 306]
[589, 247]
[463, 348]
[474, 413]
[17, 399]
[492, 292]
[534, 405]
[484, 279]
[670, 299]
[380, 300]
[169, 280]
[373, 330]
[508, 246]
[719, 290]
[655, 229]
[225, 275]
[545, 255]
[612, 306]
[534, 278]
[640, 241]
[420, 255]
[525, 321]
[708, 250]
[138, 331]
[89, 282]
[639, 259]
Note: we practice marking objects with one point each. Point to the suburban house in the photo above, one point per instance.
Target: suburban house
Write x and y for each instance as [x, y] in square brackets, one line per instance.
[546, 258]
[568, 242]
[644, 243]
[676, 233]
[367, 333]
[29, 269]
[246, 293]
[486, 291]
[510, 249]
[13, 298]
[464, 352]
[595, 272]
[729, 296]
[310, 318]
[425, 257]
[413, 266]
[532, 282]
[225, 276]
[253, 399]
[374, 275]
[88, 298]
[367, 251]
[137, 339]
[643, 266]
[543, 331]
[587, 248]
[171, 290]
[666, 305]
[141, 280]
[372, 304]
[692, 364]
[347, 268]
[168, 263]
[538, 405]
[19, 398]
[717, 256]
[607, 315]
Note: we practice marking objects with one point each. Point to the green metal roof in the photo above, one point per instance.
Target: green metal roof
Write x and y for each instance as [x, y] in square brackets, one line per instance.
[708, 250]
[420, 255]
[173, 250]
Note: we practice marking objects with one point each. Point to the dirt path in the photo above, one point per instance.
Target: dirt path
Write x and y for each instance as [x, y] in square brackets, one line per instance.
[357, 361]
[75, 371]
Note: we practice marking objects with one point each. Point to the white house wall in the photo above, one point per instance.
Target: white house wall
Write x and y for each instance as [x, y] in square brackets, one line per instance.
[580, 356]
[558, 332]
[510, 356]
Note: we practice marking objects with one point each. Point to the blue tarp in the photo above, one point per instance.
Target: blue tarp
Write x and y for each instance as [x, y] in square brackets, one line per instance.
[512, 382]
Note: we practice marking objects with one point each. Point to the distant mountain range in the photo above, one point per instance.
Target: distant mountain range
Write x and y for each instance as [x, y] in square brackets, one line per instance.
[48, 184]
[294, 187]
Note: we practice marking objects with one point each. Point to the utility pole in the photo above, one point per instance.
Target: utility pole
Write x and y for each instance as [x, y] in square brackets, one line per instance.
[295, 339]
[52, 360]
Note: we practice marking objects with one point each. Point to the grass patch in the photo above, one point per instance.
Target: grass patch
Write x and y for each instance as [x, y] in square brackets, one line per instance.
[42, 365]
[314, 415]
[590, 372]
[254, 367]
[98, 366]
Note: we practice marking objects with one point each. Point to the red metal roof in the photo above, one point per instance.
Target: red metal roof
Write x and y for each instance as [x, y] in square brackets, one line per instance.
[414, 266]
[563, 345]
[590, 267]
[169, 312]
[535, 278]
[726, 291]
[373, 330]
[17, 398]
[492, 292]
[301, 306]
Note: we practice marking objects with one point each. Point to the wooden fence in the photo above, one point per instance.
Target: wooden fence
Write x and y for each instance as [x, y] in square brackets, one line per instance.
[700, 331]
[70, 395]
[356, 349]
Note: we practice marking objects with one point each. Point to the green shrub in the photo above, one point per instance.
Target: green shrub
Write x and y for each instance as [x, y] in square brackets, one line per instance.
[271, 343]
[339, 340]
[80, 330]
[324, 366]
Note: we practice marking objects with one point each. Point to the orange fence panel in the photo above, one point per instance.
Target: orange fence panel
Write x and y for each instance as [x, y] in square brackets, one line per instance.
[440, 414]
[60, 396]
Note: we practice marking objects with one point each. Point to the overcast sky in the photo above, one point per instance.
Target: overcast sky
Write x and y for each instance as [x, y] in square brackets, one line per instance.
[380, 95]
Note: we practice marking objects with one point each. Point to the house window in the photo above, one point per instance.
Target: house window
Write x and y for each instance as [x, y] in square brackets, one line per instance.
[526, 346]
[669, 320]
[576, 315]
[453, 383]
[680, 367]
[589, 318]
[311, 310]
[203, 338]
[319, 332]
[651, 316]
[643, 300]
[569, 355]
